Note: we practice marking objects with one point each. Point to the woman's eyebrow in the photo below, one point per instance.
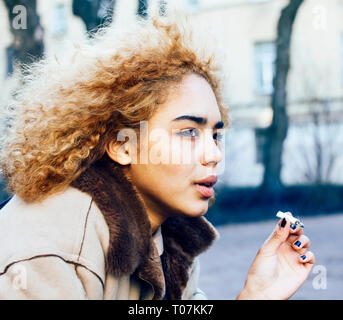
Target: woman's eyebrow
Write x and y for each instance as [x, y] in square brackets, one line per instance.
[199, 120]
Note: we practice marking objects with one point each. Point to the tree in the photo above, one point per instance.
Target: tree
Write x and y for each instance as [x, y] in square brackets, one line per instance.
[28, 45]
[277, 132]
[94, 13]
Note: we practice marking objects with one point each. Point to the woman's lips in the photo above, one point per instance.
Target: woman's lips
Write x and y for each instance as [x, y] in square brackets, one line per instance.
[207, 192]
[205, 186]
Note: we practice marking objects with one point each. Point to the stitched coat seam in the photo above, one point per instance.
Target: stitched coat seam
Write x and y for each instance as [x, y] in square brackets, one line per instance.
[84, 230]
[53, 255]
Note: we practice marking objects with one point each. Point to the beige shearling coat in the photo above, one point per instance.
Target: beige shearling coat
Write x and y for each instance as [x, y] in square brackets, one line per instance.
[93, 241]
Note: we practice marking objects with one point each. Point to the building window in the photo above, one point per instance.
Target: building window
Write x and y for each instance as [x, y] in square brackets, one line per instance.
[59, 22]
[265, 55]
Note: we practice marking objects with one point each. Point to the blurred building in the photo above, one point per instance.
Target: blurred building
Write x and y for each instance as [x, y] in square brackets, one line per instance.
[246, 31]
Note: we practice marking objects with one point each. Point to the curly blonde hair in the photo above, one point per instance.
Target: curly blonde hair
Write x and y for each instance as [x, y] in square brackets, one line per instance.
[68, 109]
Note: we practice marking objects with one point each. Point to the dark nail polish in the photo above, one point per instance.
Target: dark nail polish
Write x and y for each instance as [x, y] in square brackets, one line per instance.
[303, 257]
[293, 226]
[297, 243]
[283, 222]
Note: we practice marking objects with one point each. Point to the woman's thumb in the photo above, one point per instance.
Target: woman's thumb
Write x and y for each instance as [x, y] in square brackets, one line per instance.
[277, 237]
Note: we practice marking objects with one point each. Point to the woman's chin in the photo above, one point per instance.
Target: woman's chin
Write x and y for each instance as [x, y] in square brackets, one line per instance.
[197, 210]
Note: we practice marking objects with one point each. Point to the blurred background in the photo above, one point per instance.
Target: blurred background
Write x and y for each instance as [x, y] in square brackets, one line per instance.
[284, 89]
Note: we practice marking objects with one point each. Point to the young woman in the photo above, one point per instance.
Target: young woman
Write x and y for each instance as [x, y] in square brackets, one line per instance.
[111, 155]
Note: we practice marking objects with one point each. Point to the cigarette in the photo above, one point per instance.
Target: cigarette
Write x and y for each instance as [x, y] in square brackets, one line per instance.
[292, 219]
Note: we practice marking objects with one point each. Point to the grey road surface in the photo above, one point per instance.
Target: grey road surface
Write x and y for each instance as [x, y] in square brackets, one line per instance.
[224, 265]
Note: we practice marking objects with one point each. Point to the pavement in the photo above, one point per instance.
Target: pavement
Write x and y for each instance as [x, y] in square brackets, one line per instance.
[224, 265]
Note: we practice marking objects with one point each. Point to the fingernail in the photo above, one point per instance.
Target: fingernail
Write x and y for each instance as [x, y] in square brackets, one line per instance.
[283, 222]
[303, 257]
[293, 226]
[297, 243]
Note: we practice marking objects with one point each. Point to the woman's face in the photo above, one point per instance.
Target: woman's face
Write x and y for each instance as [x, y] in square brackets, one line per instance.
[182, 150]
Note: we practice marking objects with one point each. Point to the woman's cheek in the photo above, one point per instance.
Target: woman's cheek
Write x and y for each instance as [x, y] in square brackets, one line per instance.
[183, 150]
[179, 183]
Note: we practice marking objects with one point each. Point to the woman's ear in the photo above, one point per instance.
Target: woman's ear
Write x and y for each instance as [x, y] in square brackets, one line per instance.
[119, 152]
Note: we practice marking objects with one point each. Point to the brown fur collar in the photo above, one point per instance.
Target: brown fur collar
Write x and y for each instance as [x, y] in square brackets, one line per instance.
[132, 249]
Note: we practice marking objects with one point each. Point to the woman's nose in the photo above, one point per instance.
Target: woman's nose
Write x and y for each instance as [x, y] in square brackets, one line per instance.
[211, 154]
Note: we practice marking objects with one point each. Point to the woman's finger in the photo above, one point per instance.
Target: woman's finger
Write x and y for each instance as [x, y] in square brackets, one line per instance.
[292, 238]
[301, 242]
[307, 258]
[277, 237]
[294, 229]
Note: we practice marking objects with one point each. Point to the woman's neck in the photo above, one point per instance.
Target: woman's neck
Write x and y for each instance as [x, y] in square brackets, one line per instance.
[155, 217]
[155, 214]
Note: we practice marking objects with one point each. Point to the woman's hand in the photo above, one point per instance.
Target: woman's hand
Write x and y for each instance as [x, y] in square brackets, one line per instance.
[281, 265]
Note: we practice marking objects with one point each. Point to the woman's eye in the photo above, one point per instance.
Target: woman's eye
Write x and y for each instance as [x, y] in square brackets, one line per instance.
[189, 133]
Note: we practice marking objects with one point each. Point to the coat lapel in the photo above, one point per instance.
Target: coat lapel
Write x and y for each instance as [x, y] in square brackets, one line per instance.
[131, 248]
